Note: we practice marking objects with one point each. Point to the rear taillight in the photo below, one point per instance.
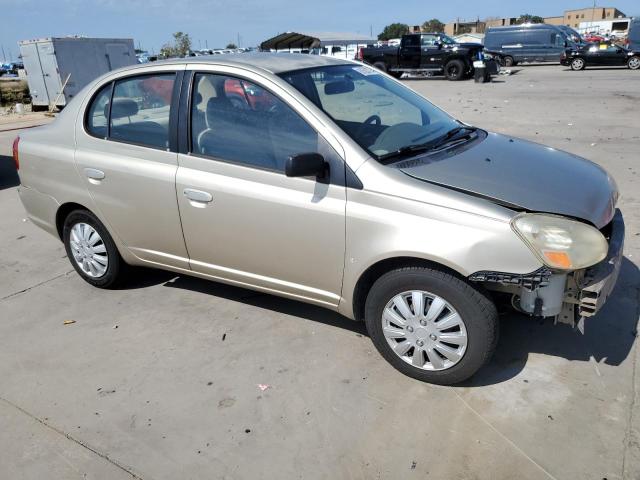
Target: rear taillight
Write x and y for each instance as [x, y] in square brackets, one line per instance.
[360, 53]
[15, 153]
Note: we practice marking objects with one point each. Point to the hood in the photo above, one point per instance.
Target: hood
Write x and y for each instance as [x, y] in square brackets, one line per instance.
[466, 47]
[522, 175]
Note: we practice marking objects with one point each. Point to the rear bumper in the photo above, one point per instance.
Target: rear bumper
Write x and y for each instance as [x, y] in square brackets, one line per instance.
[600, 279]
[41, 209]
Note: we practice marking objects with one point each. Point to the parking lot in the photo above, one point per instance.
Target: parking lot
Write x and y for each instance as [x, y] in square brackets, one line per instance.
[172, 377]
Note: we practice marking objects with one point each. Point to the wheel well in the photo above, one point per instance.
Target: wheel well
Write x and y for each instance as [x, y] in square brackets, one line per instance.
[375, 271]
[63, 211]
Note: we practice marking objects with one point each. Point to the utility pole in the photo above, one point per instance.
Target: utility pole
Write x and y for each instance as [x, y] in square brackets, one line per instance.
[4, 57]
[238, 43]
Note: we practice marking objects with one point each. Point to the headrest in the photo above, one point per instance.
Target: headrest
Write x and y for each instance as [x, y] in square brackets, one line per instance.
[215, 106]
[122, 107]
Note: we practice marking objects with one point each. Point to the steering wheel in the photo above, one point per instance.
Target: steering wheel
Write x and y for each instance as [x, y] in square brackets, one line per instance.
[372, 120]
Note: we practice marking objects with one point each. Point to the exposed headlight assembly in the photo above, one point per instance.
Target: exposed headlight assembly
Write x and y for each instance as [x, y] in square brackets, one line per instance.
[559, 242]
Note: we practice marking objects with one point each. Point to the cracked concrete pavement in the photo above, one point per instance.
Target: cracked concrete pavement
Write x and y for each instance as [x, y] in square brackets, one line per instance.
[159, 380]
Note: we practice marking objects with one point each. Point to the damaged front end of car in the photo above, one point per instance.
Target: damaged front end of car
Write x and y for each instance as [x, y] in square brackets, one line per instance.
[570, 287]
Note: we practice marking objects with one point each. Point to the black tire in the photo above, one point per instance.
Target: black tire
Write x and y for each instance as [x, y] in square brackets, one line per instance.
[454, 70]
[578, 64]
[397, 75]
[380, 66]
[478, 312]
[508, 61]
[634, 63]
[115, 266]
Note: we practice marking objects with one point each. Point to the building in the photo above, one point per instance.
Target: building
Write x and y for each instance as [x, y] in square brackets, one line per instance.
[554, 20]
[500, 22]
[573, 18]
[460, 27]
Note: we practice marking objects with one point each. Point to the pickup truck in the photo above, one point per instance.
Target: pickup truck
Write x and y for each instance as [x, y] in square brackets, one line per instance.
[430, 53]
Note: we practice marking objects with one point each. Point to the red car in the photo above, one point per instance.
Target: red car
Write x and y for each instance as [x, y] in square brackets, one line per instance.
[593, 38]
[246, 95]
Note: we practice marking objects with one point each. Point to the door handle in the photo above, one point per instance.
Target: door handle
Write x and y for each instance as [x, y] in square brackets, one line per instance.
[94, 175]
[197, 196]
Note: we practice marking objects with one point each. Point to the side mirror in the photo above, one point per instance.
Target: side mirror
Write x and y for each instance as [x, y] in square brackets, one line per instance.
[306, 165]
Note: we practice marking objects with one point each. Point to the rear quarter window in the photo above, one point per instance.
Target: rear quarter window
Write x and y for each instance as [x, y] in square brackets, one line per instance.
[98, 114]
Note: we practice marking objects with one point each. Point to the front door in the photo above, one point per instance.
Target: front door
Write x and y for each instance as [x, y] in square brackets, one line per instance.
[123, 154]
[433, 51]
[244, 220]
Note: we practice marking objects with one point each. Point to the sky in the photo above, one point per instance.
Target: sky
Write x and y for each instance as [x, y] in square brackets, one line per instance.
[215, 23]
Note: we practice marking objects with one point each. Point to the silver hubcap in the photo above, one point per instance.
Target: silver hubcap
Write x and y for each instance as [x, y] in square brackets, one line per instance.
[578, 64]
[634, 63]
[424, 330]
[89, 251]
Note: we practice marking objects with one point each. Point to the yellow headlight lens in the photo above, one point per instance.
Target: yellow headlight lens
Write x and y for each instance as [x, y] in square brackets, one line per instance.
[559, 242]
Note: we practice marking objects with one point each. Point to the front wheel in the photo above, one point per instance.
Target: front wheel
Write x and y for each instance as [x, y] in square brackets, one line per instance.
[508, 61]
[634, 63]
[577, 64]
[91, 249]
[454, 70]
[431, 325]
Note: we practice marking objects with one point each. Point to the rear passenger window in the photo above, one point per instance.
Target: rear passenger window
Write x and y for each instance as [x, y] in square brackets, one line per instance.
[235, 120]
[98, 116]
[140, 110]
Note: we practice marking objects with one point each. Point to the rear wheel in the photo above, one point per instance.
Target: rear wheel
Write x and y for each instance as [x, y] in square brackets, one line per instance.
[380, 66]
[578, 64]
[508, 61]
[634, 63]
[454, 70]
[431, 325]
[396, 74]
[91, 249]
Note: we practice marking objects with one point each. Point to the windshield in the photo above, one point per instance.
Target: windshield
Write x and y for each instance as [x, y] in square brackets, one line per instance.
[447, 40]
[381, 115]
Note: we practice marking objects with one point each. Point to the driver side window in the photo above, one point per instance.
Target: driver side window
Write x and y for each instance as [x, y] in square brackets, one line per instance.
[235, 120]
[428, 40]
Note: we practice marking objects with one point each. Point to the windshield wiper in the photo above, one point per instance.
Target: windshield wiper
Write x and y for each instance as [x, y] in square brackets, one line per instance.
[430, 145]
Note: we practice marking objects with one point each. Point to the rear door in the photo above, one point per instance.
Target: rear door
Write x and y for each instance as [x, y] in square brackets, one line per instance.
[244, 220]
[126, 153]
[609, 56]
[52, 80]
[410, 53]
[35, 75]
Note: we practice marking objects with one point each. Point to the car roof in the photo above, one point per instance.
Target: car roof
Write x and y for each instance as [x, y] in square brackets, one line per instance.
[270, 62]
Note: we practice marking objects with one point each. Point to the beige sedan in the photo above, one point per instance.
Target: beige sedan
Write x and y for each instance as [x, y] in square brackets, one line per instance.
[329, 182]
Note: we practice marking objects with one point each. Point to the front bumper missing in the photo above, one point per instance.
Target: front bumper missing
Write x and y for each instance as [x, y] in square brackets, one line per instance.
[599, 280]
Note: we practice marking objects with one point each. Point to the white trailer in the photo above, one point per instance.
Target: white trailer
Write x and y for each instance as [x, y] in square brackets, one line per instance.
[58, 68]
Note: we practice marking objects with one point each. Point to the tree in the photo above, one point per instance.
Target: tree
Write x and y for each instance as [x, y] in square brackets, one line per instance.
[180, 47]
[395, 30]
[231, 46]
[433, 25]
[528, 18]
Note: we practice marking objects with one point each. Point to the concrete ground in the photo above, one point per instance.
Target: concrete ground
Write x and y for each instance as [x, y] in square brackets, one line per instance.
[159, 380]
